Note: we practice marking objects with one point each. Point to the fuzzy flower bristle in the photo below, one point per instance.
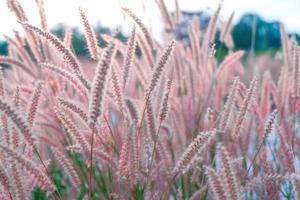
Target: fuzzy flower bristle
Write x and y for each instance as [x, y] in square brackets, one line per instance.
[285, 46]
[71, 128]
[69, 57]
[5, 128]
[90, 36]
[68, 39]
[215, 184]
[118, 92]
[17, 180]
[73, 107]
[15, 6]
[15, 138]
[11, 61]
[211, 29]
[99, 83]
[142, 26]
[18, 45]
[228, 174]
[270, 123]
[34, 103]
[296, 69]
[40, 4]
[247, 103]
[32, 39]
[133, 110]
[160, 67]
[146, 51]
[197, 145]
[67, 165]
[226, 28]
[151, 121]
[30, 167]
[1, 85]
[20, 123]
[4, 180]
[166, 16]
[130, 53]
[69, 77]
[16, 99]
[229, 105]
[165, 105]
[126, 154]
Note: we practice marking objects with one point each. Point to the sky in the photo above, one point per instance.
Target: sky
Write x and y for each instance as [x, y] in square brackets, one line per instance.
[108, 12]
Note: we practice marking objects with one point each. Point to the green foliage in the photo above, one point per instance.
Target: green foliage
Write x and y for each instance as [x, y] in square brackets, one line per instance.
[3, 48]
[138, 192]
[79, 43]
[38, 194]
[267, 34]
[103, 181]
[205, 196]
[59, 31]
[59, 178]
[222, 51]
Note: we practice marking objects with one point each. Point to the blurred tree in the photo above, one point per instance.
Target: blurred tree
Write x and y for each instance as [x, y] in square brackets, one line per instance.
[3, 48]
[251, 31]
[78, 40]
[267, 34]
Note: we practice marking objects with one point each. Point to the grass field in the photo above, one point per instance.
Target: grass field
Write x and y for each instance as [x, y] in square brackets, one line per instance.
[172, 121]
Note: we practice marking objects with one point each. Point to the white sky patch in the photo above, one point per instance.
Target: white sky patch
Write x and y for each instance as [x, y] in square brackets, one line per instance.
[108, 12]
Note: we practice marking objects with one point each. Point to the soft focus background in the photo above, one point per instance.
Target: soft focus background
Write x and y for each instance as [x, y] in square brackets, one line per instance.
[264, 15]
[238, 82]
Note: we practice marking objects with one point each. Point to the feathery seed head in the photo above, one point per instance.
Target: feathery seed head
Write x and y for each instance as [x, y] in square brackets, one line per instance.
[99, 83]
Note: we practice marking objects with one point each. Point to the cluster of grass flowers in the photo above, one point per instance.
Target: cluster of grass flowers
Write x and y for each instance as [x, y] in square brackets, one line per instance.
[172, 122]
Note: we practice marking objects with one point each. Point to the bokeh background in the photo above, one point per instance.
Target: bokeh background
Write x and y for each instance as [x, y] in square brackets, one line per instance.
[257, 19]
